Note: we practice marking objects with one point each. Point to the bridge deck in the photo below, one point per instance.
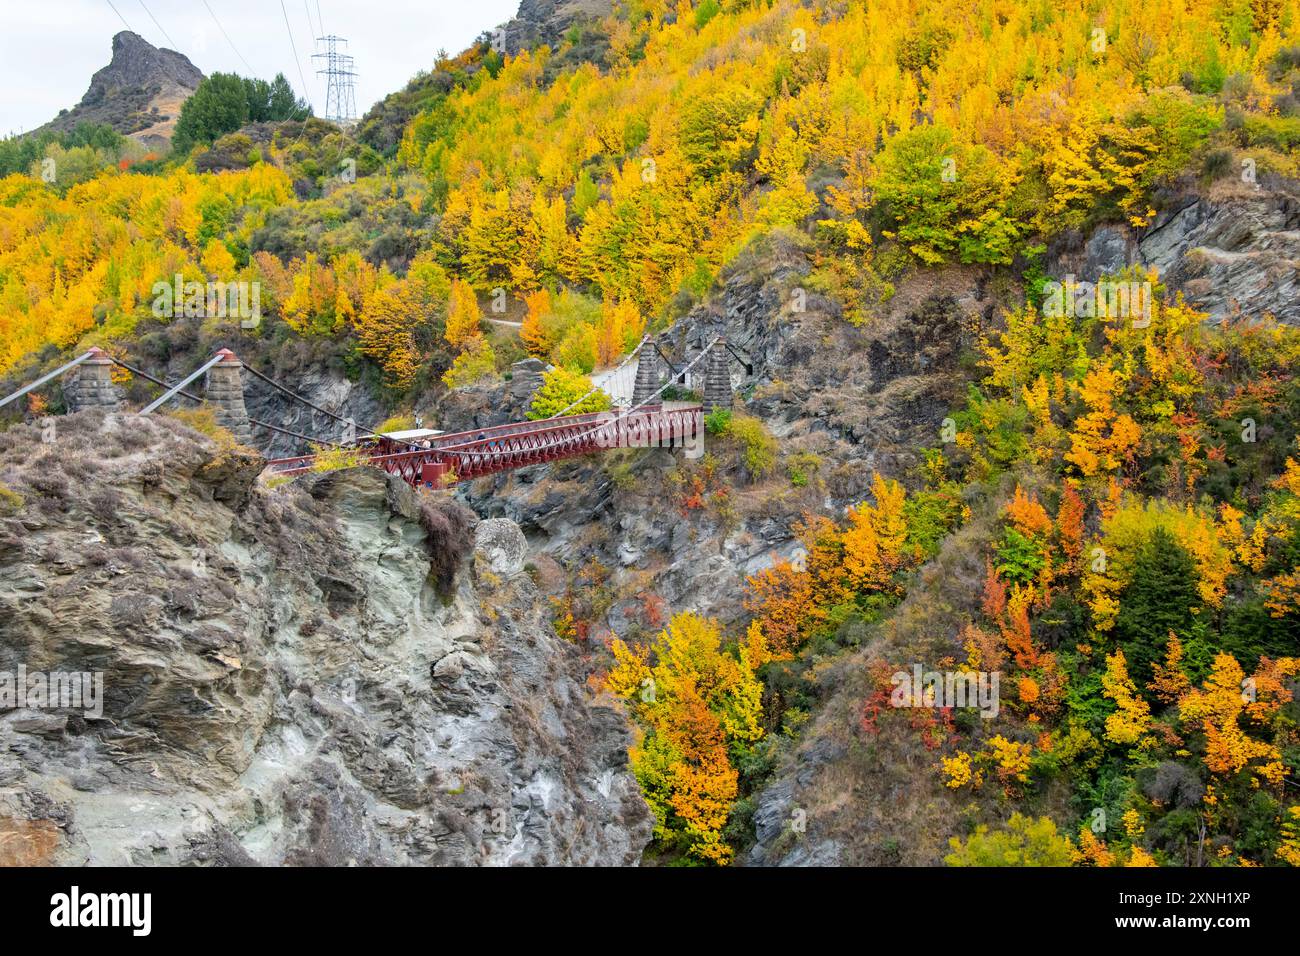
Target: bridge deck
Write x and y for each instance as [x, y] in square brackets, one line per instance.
[484, 451]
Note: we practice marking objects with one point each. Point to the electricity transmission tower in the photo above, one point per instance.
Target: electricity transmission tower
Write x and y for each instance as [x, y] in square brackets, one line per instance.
[340, 96]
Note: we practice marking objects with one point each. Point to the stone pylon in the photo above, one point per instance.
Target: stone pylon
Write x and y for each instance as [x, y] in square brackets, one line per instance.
[647, 373]
[91, 384]
[225, 392]
[717, 379]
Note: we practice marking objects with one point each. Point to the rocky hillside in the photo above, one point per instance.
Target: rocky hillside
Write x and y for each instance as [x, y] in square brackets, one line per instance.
[858, 400]
[546, 21]
[334, 672]
[139, 93]
[1232, 249]
[926, 464]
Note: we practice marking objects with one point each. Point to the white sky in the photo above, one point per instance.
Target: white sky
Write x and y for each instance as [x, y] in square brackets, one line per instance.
[52, 47]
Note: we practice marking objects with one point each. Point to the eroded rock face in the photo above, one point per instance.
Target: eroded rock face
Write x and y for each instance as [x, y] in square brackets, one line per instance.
[544, 21]
[500, 546]
[284, 680]
[139, 93]
[322, 387]
[1233, 252]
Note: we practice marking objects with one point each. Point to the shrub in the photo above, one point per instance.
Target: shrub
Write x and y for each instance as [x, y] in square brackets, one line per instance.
[477, 363]
[10, 500]
[560, 389]
[716, 422]
[336, 459]
[756, 442]
[800, 466]
[1276, 132]
[1025, 842]
[447, 527]
[204, 421]
[397, 423]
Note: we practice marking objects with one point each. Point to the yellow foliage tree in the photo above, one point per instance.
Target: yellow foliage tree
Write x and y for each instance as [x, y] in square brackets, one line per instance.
[1131, 720]
[1217, 708]
[464, 317]
[875, 540]
[533, 335]
[697, 700]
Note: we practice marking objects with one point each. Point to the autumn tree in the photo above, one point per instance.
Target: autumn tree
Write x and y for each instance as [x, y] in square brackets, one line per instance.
[464, 318]
[567, 392]
[1131, 719]
[876, 538]
[782, 602]
[699, 704]
[384, 332]
[1218, 707]
[532, 333]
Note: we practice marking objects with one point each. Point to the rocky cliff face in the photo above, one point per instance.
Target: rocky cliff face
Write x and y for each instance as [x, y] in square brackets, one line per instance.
[1233, 251]
[304, 675]
[545, 21]
[859, 399]
[139, 93]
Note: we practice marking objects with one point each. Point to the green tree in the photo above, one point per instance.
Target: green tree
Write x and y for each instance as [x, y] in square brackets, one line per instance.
[718, 130]
[944, 197]
[1159, 598]
[218, 106]
[1024, 842]
[274, 101]
[225, 101]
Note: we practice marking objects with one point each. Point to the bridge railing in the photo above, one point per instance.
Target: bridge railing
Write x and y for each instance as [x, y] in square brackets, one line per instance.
[472, 454]
[458, 438]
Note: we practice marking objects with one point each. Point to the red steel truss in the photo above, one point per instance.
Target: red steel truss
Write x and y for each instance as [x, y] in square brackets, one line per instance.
[487, 451]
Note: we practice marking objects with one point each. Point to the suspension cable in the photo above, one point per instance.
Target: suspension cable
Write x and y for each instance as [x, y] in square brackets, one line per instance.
[44, 378]
[631, 355]
[362, 430]
[252, 421]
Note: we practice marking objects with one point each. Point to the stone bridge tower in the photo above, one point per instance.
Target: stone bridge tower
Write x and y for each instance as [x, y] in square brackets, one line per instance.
[717, 378]
[91, 384]
[647, 374]
[225, 390]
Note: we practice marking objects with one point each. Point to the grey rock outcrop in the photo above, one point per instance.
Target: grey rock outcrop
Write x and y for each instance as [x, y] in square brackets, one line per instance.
[1233, 252]
[297, 675]
[324, 388]
[545, 21]
[500, 546]
[139, 93]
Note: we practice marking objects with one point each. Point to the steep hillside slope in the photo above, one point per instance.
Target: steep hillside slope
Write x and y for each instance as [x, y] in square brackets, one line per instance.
[300, 676]
[938, 457]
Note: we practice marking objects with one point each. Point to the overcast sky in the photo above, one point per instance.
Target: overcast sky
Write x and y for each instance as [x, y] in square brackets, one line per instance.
[52, 47]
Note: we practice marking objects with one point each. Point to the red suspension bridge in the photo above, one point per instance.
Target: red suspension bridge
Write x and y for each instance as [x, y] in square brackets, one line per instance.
[644, 419]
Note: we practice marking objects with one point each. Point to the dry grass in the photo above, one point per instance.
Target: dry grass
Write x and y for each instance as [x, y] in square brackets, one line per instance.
[447, 526]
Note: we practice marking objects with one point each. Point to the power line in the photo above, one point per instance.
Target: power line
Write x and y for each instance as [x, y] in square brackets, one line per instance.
[306, 8]
[120, 17]
[247, 65]
[158, 25]
[298, 63]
